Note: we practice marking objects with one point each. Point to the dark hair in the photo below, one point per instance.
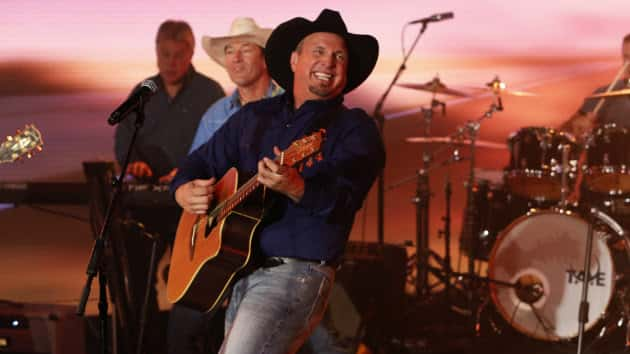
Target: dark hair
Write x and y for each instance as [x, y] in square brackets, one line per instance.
[177, 31]
[626, 39]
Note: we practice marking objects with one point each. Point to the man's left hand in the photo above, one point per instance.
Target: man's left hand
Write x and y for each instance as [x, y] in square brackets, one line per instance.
[282, 179]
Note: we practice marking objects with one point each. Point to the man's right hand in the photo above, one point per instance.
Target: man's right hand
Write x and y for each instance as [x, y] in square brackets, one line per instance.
[196, 195]
[139, 169]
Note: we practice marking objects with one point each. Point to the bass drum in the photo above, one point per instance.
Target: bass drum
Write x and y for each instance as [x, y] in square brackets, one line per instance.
[543, 254]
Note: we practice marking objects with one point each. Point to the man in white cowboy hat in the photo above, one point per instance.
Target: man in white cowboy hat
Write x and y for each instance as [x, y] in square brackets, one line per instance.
[241, 53]
[304, 231]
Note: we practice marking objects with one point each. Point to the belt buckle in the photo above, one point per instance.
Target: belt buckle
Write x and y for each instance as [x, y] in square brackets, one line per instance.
[273, 262]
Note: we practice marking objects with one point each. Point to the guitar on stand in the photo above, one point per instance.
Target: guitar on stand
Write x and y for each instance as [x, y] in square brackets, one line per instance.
[23, 143]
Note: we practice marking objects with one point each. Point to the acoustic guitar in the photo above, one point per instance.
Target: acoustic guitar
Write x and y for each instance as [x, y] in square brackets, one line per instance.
[212, 249]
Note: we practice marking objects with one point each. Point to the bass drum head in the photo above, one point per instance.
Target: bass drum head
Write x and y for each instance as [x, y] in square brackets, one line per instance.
[543, 253]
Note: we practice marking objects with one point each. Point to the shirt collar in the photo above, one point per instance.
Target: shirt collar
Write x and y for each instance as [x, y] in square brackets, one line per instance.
[272, 90]
[185, 82]
[188, 76]
[311, 104]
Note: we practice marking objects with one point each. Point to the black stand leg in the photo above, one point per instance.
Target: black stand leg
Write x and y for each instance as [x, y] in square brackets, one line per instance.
[422, 232]
[145, 302]
[583, 311]
[102, 310]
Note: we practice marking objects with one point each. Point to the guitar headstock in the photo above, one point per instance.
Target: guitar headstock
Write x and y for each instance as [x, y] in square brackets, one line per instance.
[303, 148]
[23, 143]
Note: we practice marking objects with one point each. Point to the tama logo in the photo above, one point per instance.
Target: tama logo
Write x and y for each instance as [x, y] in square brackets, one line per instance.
[597, 279]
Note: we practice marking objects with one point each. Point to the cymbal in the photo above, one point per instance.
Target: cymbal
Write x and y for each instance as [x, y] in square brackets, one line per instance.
[434, 86]
[505, 91]
[450, 140]
[611, 93]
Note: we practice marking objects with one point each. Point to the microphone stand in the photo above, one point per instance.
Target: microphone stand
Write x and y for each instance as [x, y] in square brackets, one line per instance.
[96, 264]
[380, 119]
[583, 310]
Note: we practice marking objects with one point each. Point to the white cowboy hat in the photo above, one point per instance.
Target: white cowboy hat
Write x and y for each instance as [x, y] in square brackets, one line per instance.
[243, 28]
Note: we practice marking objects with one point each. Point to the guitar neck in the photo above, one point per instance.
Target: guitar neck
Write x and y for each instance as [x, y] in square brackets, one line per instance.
[298, 151]
[225, 207]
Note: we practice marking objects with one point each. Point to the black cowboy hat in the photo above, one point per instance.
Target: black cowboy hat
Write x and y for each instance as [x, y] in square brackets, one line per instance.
[362, 49]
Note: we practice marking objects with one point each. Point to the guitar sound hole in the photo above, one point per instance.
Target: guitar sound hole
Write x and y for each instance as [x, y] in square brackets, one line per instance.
[210, 227]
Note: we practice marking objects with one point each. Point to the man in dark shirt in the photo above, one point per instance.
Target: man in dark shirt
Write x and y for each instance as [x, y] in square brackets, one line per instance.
[275, 307]
[171, 118]
[173, 113]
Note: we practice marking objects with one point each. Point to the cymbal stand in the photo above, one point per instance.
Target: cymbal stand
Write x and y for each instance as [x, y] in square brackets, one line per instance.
[471, 129]
[421, 200]
[446, 232]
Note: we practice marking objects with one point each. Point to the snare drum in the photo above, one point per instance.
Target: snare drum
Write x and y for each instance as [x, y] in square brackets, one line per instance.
[535, 169]
[543, 252]
[607, 166]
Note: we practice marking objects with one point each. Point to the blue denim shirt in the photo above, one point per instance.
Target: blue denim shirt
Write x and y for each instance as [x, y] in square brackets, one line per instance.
[336, 183]
[220, 111]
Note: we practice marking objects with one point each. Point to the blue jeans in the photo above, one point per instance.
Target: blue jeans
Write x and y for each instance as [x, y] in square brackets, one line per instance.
[273, 310]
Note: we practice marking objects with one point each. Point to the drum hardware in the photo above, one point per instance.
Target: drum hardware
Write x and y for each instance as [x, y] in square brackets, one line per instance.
[564, 173]
[471, 128]
[455, 141]
[623, 92]
[466, 132]
[583, 310]
[421, 200]
[423, 195]
[435, 86]
[609, 91]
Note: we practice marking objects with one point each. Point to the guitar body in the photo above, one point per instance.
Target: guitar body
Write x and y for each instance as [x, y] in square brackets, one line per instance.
[207, 256]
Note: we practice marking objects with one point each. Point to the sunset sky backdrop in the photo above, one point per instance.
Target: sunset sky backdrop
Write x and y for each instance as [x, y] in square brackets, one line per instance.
[111, 43]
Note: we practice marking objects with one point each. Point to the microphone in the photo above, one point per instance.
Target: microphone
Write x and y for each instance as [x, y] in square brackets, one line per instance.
[433, 18]
[141, 95]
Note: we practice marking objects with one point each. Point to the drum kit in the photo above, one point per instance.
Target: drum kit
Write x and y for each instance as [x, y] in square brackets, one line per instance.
[533, 231]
